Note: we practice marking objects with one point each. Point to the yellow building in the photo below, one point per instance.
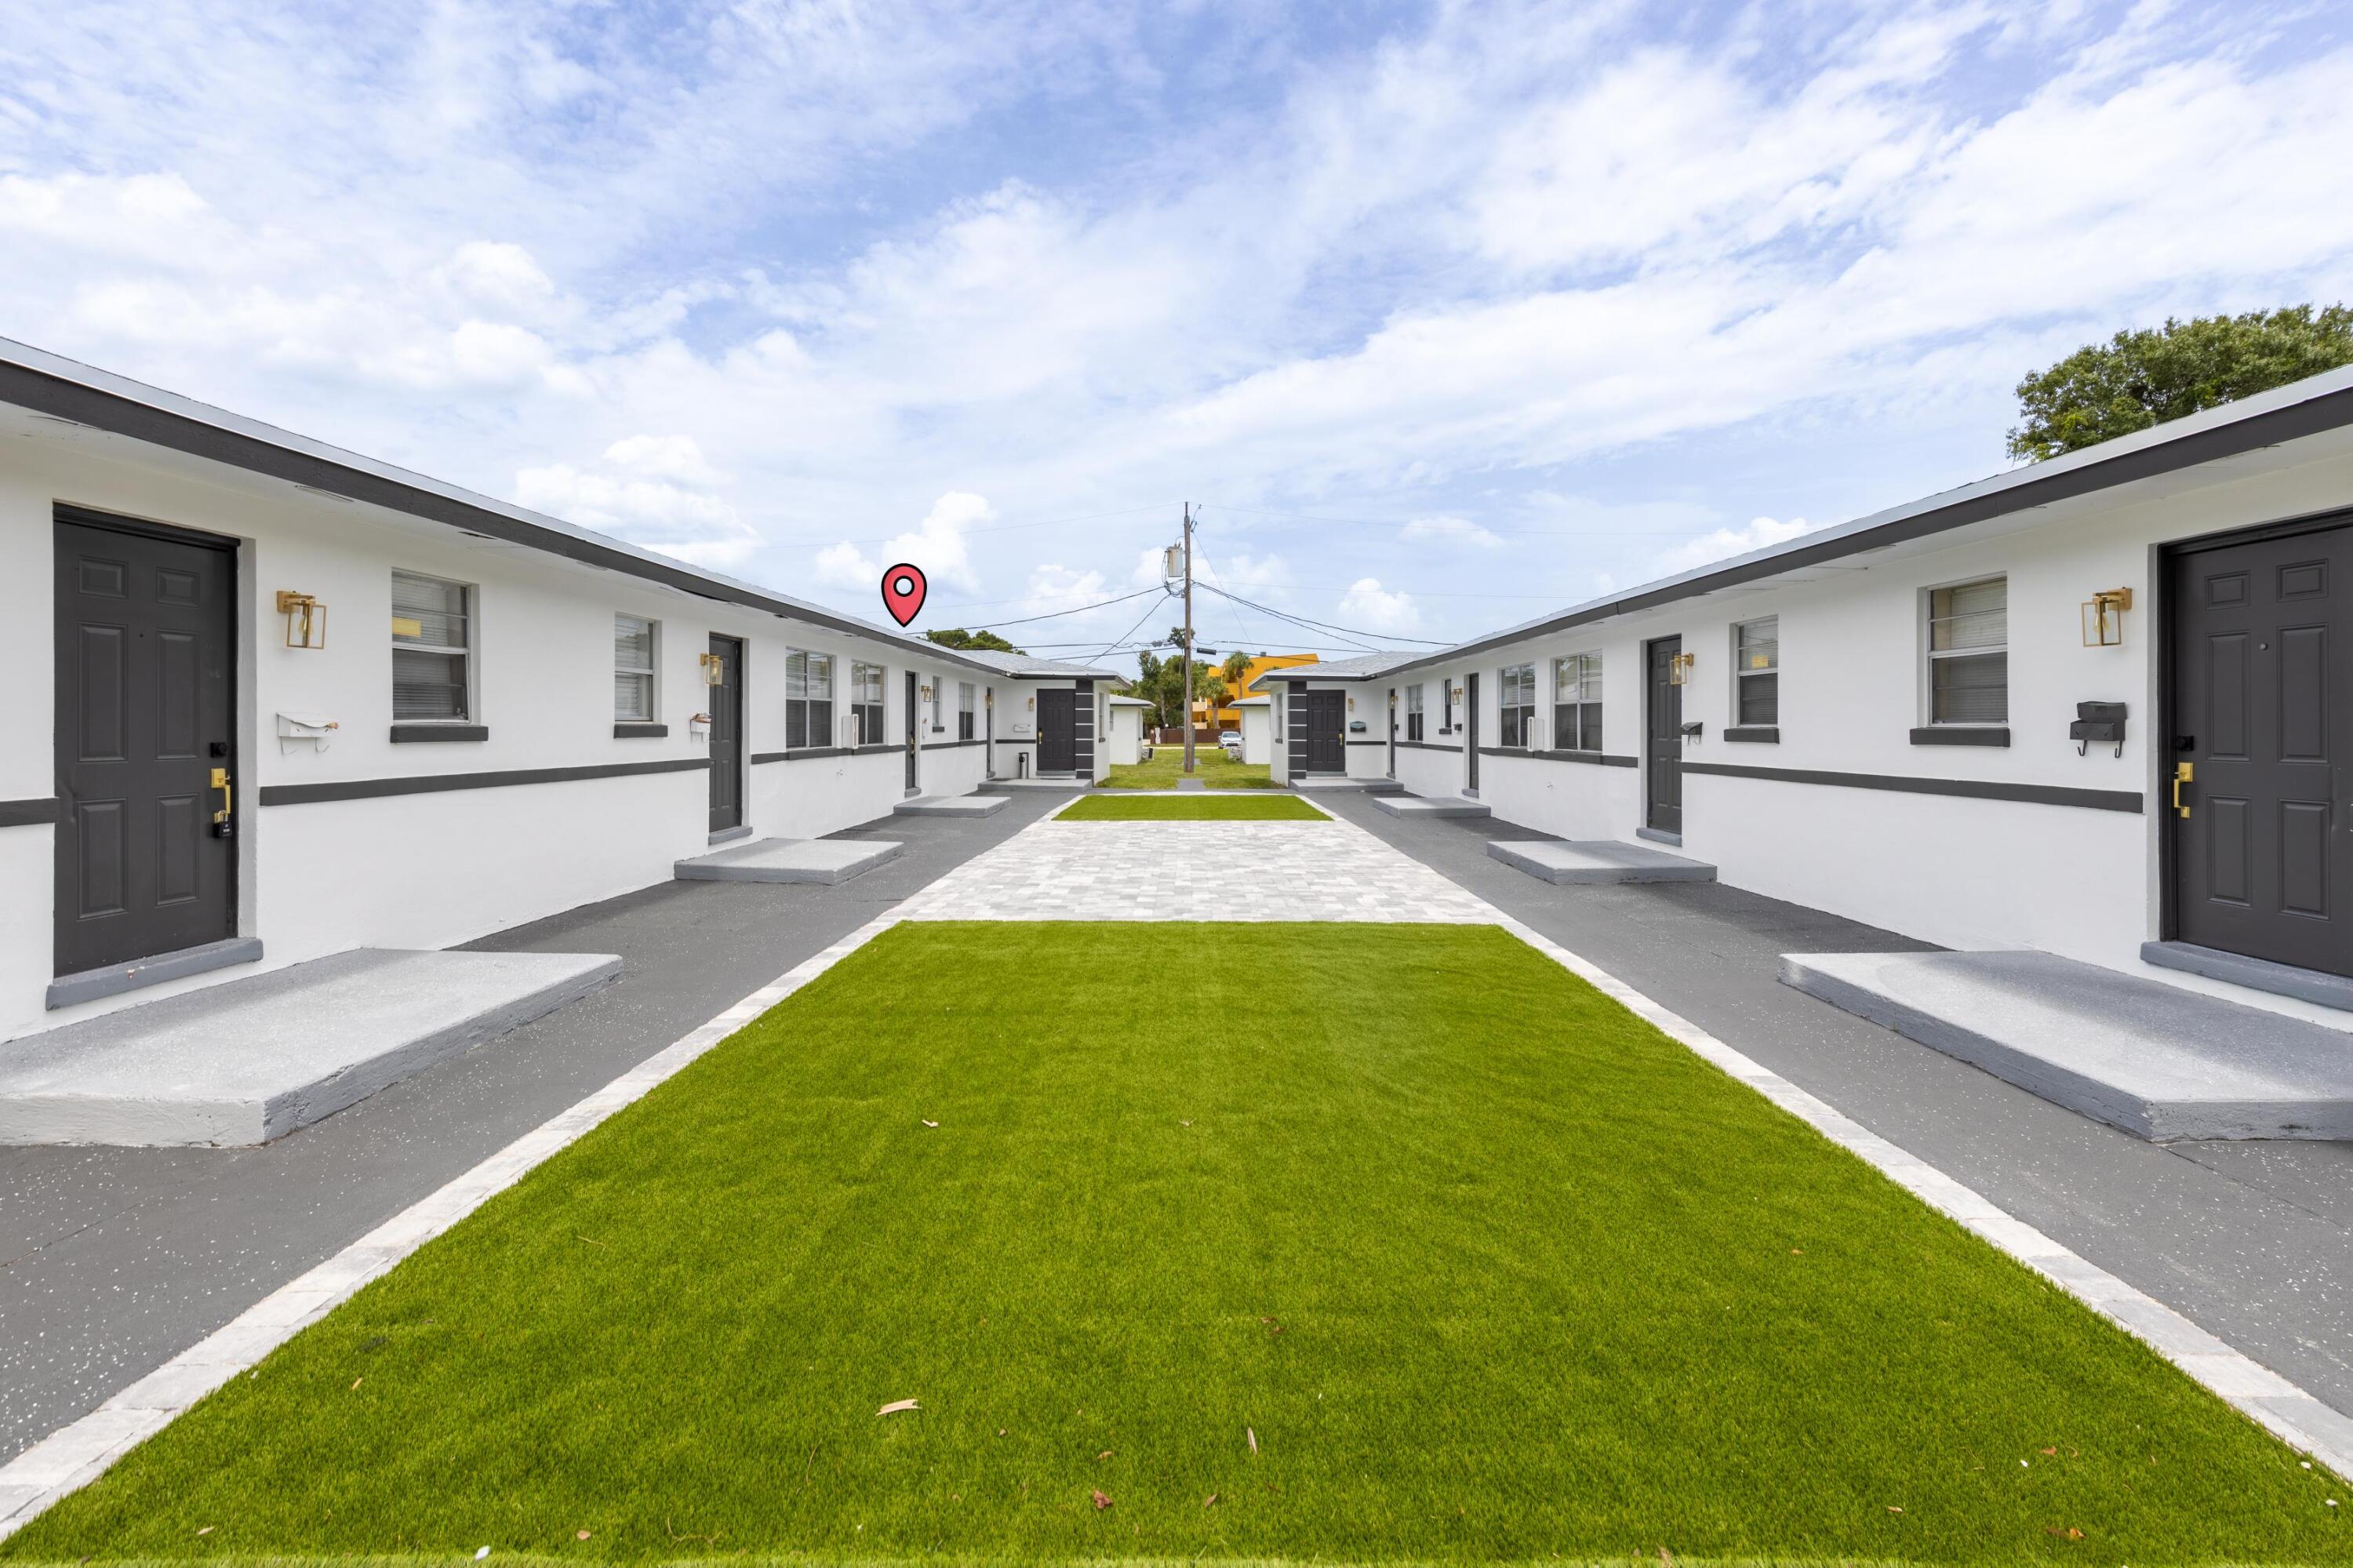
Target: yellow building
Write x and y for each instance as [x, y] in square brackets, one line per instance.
[1230, 717]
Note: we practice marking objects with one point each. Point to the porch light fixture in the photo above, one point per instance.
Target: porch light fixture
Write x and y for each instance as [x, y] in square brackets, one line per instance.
[1352, 704]
[714, 668]
[2103, 618]
[1678, 669]
[306, 620]
[927, 693]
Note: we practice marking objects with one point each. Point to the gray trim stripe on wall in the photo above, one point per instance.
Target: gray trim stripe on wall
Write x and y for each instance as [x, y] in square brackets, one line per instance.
[1966, 788]
[1590, 758]
[30, 813]
[436, 783]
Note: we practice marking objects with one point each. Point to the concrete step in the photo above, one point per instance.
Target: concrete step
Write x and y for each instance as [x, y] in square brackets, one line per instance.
[1420, 805]
[1358, 785]
[250, 1060]
[1598, 861]
[2151, 1058]
[952, 806]
[824, 860]
[1066, 785]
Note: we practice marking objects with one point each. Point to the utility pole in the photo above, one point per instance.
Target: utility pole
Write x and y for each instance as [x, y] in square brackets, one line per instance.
[1188, 640]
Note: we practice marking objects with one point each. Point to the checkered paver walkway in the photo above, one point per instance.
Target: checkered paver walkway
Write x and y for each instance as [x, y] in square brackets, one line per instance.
[1196, 871]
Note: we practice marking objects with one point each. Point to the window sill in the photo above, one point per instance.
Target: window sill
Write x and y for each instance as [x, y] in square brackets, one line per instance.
[626, 730]
[1763, 734]
[406, 733]
[1961, 735]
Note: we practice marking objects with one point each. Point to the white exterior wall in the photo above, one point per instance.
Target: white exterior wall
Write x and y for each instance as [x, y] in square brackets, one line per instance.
[422, 870]
[1257, 726]
[1963, 873]
[1126, 743]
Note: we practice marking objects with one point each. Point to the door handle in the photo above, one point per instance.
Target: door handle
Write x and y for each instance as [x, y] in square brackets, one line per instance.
[220, 781]
[2182, 774]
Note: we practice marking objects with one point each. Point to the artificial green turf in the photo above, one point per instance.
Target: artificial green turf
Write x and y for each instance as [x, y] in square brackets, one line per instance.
[1195, 808]
[1210, 765]
[1489, 1267]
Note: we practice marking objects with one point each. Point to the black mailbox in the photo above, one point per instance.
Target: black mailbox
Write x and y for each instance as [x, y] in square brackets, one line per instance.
[2098, 724]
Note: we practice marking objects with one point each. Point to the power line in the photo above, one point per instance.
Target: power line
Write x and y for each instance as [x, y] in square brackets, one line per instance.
[1326, 626]
[1055, 614]
[1140, 619]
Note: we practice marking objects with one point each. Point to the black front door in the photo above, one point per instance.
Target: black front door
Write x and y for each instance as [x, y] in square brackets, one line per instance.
[1058, 730]
[2262, 642]
[727, 735]
[1327, 747]
[1393, 724]
[1663, 761]
[1470, 732]
[146, 744]
[988, 732]
[914, 730]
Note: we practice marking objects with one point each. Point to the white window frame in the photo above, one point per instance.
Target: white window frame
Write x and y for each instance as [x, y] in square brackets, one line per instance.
[1413, 713]
[1742, 675]
[859, 673]
[651, 670]
[1523, 676]
[1585, 661]
[812, 733]
[1446, 704]
[968, 713]
[471, 686]
[939, 705]
[1931, 655]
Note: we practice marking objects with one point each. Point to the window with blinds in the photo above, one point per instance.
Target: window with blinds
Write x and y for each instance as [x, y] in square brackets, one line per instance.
[1413, 712]
[1969, 653]
[866, 701]
[965, 712]
[1756, 672]
[1516, 696]
[633, 670]
[432, 651]
[1576, 702]
[809, 699]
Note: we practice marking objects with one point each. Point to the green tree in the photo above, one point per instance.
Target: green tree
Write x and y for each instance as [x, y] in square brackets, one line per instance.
[2145, 377]
[1236, 667]
[957, 637]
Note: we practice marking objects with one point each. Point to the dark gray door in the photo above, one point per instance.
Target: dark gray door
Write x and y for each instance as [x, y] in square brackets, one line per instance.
[1470, 732]
[1328, 746]
[146, 692]
[914, 720]
[1393, 724]
[1662, 760]
[727, 735]
[1058, 730]
[2262, 640]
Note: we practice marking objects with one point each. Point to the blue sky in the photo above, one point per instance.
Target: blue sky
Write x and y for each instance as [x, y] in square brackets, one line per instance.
[1441, 313]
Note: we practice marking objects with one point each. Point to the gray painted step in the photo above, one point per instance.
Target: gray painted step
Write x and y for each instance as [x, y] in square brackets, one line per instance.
[2140, 1054]
[1417, 806]
[1598, 861]
[1362, 786]
[253, 1059]
[827, 861]
[2255, 974]
[1066, 785]
[952, 806]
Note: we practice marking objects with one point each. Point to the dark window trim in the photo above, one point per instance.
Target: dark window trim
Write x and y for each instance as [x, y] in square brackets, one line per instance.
[409, 734]
[638, 729]
[46, 810]
[1964, 789]
[1766, 734]
[1425, 745]
[436, 783]
[1961, 735]
[1592, 758]
[950, 745]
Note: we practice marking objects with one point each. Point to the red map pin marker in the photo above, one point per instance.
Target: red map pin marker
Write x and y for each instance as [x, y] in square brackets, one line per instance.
[902, 592]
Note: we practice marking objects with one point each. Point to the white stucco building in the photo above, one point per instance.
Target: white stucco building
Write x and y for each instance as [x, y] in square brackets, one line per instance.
[276, 700]
[1881, 720]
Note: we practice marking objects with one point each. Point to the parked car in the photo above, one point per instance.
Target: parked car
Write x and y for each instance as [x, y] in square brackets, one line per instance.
[1230, 740]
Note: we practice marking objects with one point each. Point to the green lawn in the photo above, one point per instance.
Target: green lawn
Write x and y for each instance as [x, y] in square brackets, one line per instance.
[1400, 1243]
[1200, 808]
[1168, 766]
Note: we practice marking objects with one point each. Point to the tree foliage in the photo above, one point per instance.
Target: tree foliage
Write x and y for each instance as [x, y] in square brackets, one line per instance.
[2143, 378]
[957, 637]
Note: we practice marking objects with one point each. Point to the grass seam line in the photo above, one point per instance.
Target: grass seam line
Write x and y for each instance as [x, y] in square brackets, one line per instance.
[2300, 1419]
[81, 1451]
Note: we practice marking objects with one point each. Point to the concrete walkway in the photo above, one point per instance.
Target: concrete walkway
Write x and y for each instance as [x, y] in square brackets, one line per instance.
[114, 1260]
[2253, 1241]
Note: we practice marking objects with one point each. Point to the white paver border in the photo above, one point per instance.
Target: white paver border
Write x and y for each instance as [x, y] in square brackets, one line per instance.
[80, 1452]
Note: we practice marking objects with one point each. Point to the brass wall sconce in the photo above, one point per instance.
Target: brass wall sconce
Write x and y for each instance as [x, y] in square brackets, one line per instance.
[306, 620]
[1678, 669]
[2103, 618]
[926, 692]
[714, 668]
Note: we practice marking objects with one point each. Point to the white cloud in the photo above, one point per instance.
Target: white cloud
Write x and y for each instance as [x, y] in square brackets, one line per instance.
[702, 529]
[1760, 532]
[664, 457]
[1453, 531]
[1372, 607]
[937, 545]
